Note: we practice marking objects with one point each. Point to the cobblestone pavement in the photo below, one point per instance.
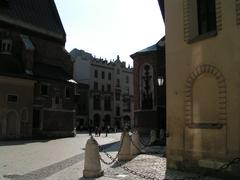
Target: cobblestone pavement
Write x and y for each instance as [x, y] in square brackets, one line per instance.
[63, 159]
[151, 166]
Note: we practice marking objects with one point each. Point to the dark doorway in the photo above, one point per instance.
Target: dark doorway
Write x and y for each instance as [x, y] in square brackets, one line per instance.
[12, 124]
[96, 120]
[107, 120]
[36, 119]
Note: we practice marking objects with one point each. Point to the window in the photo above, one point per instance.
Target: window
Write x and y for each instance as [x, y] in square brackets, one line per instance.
[200, 19]
[107, 103]
[96, 102]
[57, 100]
[117, 111]
[146, 86]
[103, 88]
[103, 75]
[95, 86]
[109, 76]
[118, 83]
[117, 95]
[67, 92]
[109, 87]
[6, 46]
[127, 79]
[127, 90]
[118, 71]
[12, 98]
[127, 105]
[95, 73]
[206, 16]
[44, 89]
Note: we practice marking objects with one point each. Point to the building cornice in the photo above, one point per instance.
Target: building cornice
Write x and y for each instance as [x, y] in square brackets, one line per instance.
[30, 27]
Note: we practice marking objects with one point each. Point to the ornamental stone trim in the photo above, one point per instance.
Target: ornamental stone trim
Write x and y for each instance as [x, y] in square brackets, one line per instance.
[222, 93]
[237, 12]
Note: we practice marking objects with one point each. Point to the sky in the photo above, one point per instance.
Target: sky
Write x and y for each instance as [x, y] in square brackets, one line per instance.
[107, 28]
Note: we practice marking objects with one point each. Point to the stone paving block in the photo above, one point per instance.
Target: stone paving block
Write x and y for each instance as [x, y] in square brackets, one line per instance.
[150, 166]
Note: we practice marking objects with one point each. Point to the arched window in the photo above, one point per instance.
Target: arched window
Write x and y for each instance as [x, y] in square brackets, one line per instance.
[146, 87]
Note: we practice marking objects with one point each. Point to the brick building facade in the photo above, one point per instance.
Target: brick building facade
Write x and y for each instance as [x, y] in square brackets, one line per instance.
[149, 95]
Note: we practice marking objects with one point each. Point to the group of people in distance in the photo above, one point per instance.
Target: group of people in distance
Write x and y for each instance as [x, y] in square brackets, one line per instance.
[98, 130]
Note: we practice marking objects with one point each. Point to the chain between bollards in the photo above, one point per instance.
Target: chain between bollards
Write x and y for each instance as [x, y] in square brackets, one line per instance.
[197, 177]
[107, 154]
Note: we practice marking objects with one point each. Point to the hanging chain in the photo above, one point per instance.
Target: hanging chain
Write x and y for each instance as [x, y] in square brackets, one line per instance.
[141, 152]
[107, 154]
[197, 177]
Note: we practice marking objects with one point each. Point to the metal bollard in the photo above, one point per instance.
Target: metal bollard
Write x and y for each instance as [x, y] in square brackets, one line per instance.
[135, 144]
[92, 165]
[124, 151]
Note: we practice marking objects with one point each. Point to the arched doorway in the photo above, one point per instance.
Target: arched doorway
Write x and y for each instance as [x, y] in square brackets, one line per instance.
[96, 120]
[107, 120]
[11, 124]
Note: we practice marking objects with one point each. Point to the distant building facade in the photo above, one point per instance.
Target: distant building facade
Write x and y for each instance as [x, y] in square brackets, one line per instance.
[81, 106]
[110, 89]
[202, 71]
[36, 96]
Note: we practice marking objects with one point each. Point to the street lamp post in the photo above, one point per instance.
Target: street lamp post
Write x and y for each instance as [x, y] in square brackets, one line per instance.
[160, 80]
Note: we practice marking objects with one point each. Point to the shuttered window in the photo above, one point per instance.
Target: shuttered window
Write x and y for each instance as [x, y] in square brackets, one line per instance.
[202, 18]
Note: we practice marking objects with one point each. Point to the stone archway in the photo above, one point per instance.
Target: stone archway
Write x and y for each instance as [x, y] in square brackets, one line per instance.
[12, 124]
[200, 71]
[205, 113]
[96, 120]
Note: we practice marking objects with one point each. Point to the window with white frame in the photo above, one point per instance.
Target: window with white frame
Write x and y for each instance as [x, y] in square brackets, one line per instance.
[6, 46]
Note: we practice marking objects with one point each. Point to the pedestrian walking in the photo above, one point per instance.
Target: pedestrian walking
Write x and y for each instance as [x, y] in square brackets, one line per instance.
[99, 131]
[107, 130]
[96, 131]
[90, 130]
